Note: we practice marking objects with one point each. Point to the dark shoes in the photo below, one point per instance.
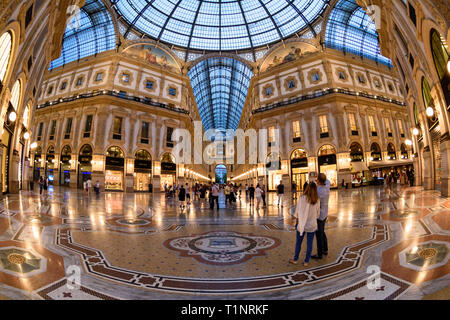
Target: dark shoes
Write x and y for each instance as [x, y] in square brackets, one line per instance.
[316, 257]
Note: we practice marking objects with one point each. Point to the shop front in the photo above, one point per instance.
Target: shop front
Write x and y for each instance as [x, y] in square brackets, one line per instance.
[404, 151]
[114, 169]
[84, 165]
[391, 154]
[299, 168]
[37, 164]
[50, 165]
[358, 168]
[168, 171]
[327, 161]
[64, 171]
[8, 130]
[273, 172]
[142, 171]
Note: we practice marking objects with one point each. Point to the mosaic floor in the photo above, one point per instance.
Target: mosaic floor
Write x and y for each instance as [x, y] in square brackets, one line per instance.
[383, 244]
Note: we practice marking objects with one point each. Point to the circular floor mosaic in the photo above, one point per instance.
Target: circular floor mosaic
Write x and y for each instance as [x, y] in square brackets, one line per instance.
[222, 247]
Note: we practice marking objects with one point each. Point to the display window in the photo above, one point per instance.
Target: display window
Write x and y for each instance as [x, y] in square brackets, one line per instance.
[114, 180]
[142, 181]
[167, 180]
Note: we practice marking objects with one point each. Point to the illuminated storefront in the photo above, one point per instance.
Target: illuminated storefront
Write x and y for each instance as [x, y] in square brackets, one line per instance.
[328, 163]
[142, 170]
[273, 171]
[392, 155]
[64, 172]
[168, 171]
[358, 167]
[50, 164]
[114, 166]
[84, 165]
[299, 168]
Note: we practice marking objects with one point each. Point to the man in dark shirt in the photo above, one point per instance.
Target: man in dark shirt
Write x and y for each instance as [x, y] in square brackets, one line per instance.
[251, 192]
[280, 192]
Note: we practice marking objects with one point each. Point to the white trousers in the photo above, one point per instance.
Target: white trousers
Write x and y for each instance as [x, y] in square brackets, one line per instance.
[280, 199]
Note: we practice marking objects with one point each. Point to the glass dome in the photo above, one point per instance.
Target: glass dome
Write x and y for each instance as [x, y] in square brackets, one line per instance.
[219, 25]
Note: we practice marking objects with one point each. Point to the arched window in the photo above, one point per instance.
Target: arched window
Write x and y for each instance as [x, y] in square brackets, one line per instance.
[416, 114]
[167, 158]
[86, 150]
[326, 150]
[439, 52]
[143, 155]
[375, 152]
[66, 151]
[391, 152]
[5, 54]
[404, 151]
[15, 94]
[115, 152]
[51, 150]
[26, 116]
[356, 152]
[299, 154]
[426, 92]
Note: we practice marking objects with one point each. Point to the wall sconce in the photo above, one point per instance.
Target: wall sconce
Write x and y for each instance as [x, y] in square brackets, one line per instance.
[416, 132]
[408, 142]
[26, 135]
[430, 112]
[12, 116]
[33, 146]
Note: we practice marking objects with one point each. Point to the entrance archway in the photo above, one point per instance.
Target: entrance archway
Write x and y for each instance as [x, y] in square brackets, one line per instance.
[392, 155]
[221, 174]
[37, 164]
[404, 151]
[299, 168]
[441, 61]
[114, 167]
[356, 152]
[64, 172]
[142, 170]
[50, 164]
[84, 165]
[375, 152]
[328, 163]
[168, 170]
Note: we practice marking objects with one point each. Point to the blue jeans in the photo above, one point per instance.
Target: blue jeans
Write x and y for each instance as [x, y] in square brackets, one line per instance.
[309, 244]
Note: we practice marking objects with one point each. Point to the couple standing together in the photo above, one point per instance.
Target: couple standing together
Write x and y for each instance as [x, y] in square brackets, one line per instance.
[311, 214]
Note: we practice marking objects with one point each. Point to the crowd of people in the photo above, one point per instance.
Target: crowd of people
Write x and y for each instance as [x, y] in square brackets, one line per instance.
[396, 177]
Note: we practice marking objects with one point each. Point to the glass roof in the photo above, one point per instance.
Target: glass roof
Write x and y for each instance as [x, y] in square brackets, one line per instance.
[351, 30]
[219, 25]
[88, 33]
[220, 87]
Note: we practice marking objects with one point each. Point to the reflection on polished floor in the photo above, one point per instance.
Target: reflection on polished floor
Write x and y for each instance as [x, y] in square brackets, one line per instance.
[141, 246]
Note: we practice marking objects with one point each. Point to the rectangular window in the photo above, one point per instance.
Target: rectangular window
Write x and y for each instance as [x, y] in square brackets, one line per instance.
[388, 127]
[169, 142]
[341, 75]
[99, 77]
[352, 121]
[271, 136]
[149, 85]
[145, 132]
[296, 131]
[63, 86]
[125, 77]
[372, 127]
[315, 77]
[323, 124]
[291, 84]
[117, 128]
[411, 61]
[79, 81]
[172, 92]
[28, 16]
[41, 127]
[400, 128]
[68, 129]
[88, 126]
[361, 79]
[412, 14]
[52, 130]
[269, 91]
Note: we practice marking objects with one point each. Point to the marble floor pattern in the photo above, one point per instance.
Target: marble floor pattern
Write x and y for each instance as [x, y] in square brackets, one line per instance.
[66, 245]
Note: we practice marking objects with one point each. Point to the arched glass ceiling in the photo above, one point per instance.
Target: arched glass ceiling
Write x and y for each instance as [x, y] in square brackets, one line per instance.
[88, 33]
[219, 25]
[220, 87]
[351, 30]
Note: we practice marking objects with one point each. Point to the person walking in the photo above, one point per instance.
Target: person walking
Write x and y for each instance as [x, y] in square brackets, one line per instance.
[280, 193]
[251, 194]
[294, 190]
[89, 186]
[188, 194]
[182, 197]
[323, 190]
[227, 194]
[258, 194]
[97, 187]
[246, 191]
[307, 212]
[263, 195]
[215, 195]
[41, 184]
[45, 184]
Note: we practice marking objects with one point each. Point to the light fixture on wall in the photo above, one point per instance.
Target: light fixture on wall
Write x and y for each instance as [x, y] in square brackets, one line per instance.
[416, 132]
[448, 66]
[26, 135]
[430, 112]
[12, 116]
[33, 146]
[408, 142]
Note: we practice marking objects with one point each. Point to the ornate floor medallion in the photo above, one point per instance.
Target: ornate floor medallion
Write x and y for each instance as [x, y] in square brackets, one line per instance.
[18, 261]
[426, 255]
[222, 247]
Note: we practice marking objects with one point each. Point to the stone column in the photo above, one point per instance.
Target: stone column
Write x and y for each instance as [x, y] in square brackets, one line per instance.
[428, 169]
[445, 156]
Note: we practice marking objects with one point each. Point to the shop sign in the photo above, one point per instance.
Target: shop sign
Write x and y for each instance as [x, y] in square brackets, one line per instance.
[85, 159]
[117, 162]
[168, 166]
[299, 163]
[65, 158]
[327, 160]
[143, 164]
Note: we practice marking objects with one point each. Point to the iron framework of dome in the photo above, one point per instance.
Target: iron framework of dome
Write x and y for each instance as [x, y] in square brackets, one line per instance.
[220, 88]
[219, 25]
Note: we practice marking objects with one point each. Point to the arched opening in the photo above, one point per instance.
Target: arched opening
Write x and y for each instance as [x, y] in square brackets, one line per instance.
[114, 169]
[142, 171]
[15, 95]
[375, 152]
[50, 164]
[328, 163]
[37, 164]
[357, 164]
[299, 168]
[434, 129]
[391, 154]
[439, 51]
[168, 171]
[356, 152]
[403, 151]
[64, 172]
[5, 56]
[221, 174]
[84, 165]
[273, 171]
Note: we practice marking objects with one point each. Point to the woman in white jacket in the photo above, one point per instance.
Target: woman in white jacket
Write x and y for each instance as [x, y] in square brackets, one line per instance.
[306, 213]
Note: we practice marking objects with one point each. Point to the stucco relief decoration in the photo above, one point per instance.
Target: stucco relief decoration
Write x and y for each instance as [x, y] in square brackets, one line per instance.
[287, 54]
[152, 55]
